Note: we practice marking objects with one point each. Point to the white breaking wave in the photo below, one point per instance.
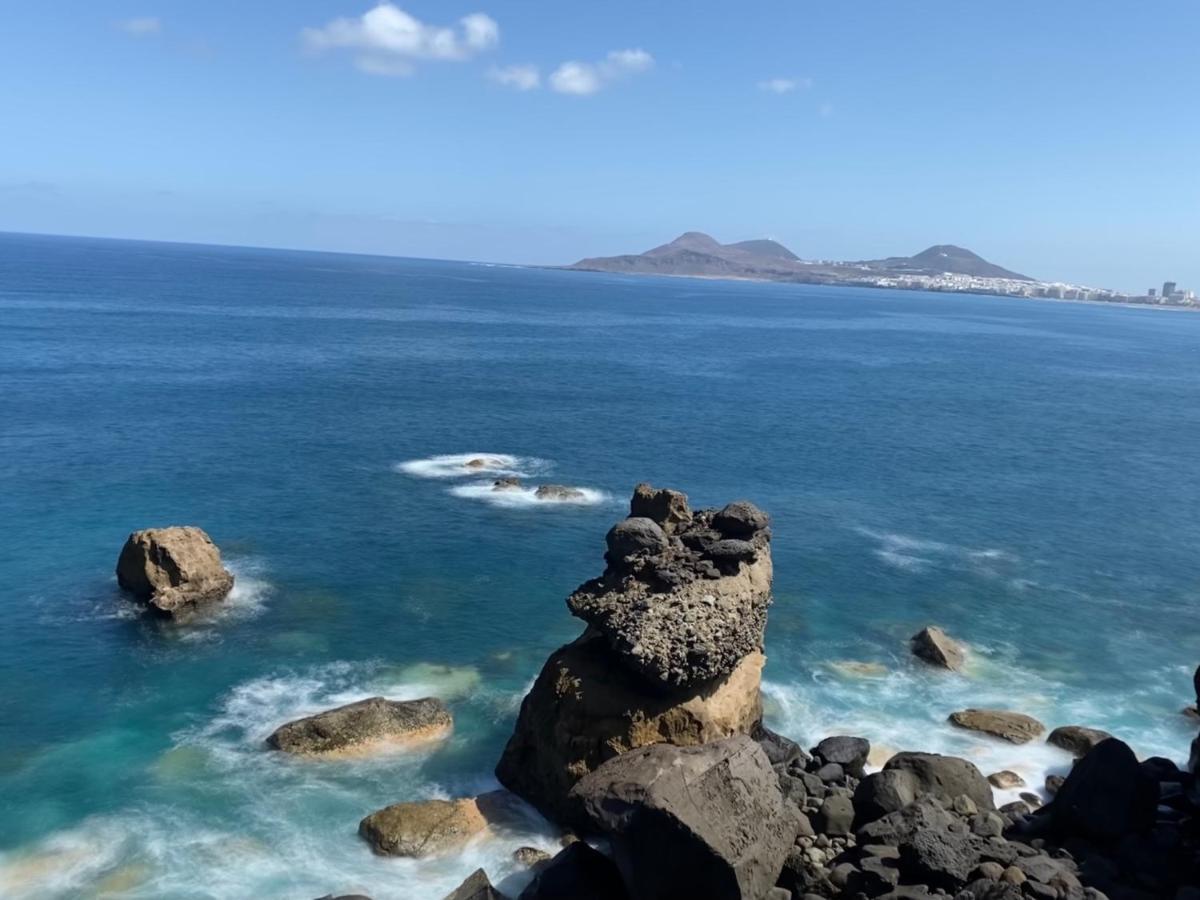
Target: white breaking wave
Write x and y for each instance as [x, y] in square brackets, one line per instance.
[458, 465]
[913, 554]
[526, 497]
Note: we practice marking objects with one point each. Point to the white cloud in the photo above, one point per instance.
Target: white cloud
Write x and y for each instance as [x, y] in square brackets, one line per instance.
[520, 78]
[388, 41]
[142, 26]
[784, 85]
[582, 79]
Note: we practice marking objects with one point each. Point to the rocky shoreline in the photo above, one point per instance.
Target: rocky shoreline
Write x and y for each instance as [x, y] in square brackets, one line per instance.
[643, 741]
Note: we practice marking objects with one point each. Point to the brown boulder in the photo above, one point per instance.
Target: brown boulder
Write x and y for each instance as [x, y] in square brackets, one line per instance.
[1016, 728]
[937, 648]
[430, 827]
[364, 726]
[584, 710]
[558, 492]
[174, 571]
[1076, 739]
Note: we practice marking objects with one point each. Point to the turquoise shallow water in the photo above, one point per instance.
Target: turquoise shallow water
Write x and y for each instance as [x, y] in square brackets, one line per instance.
[1022, 473]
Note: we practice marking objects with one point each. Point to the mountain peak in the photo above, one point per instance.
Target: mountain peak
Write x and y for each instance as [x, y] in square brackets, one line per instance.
[696, 241]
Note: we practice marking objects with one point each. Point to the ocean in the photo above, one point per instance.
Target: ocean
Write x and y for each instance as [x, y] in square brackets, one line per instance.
[1022, 473]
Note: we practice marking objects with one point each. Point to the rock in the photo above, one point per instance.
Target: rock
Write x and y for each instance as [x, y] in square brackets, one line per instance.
[1006, 780]
[940, 859]
[740, 519]
[476, 887]
[728, 553]
[530, 856]
[780, 750]
[1017, 728]
[835, 817]
[850, 753]
[632, 536]
[558, 492]
[1076, 739]
[830, 773]
[703, 821]
[349, 897]
[935, 647]
[363, 726]
[174, 571]
[1053, 783]
[908, 776]
[1106, 796]
[577, 873]
[923, 814]
[429, 827]
[1032, 800]
[484, 462]
[583, 710]
[664, 506]
[670, 613]
[508, 483]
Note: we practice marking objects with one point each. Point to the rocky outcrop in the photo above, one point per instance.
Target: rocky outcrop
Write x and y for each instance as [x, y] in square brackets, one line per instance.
[684, 608]
[364, 726]
[937, 648]
[1106, 796]
[714, 812]
[1016, 728]
[431, 827]
[173, 571]
[672, 652]
[558, 492]
[909, 776]
[508, 483]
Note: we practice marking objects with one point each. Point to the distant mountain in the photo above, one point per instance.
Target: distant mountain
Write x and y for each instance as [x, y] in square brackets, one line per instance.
[698, 254]
[942, 258]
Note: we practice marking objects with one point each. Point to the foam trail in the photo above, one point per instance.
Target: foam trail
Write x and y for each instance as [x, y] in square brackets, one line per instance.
[526, 497]
[455, 465]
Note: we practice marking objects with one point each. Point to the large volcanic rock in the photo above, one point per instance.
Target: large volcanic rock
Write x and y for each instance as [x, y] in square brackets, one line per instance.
[672, 653]
[364, 726]
[692, 821]
[909, 776]
[174, 571]
[684, 608]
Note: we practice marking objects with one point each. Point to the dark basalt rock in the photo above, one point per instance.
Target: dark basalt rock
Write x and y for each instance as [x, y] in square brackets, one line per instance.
[630, 537]
[703, 821]
[740, 519]
[849, 752]
[577, 873]
[1106, 796]
[907, 776]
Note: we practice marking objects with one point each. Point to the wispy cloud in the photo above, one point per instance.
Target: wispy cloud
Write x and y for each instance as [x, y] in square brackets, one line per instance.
[582, 79]
[386, 40]
[784, 85]
[141, 26]
[826, 110]
[519, 78]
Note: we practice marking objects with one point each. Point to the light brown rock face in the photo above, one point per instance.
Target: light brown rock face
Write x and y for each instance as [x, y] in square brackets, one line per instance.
[672, 653]
[361, 727]
[174, 571]
[937, 648]
[431, 827]
[1016, 728]
[583, 711]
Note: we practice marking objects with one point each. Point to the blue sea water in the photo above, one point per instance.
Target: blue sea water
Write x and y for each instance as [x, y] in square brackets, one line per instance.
[1023, 473]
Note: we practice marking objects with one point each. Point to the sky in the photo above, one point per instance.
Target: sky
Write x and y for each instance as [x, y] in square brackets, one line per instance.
[1060, 139]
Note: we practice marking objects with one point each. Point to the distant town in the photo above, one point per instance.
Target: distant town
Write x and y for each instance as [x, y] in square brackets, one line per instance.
[943, 267]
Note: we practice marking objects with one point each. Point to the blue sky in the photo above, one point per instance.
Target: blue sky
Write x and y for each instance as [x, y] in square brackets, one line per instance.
[1057, 138]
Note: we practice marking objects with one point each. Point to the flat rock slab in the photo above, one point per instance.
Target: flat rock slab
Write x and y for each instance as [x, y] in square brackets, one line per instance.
[174, 571]
[431, 827]
[365, 726]
[1016, 728]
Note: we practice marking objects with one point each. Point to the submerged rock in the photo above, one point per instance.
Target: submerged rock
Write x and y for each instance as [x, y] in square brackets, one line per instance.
[430, 827]
[485, 462]
[937, 648]
[509, 483]
[558, 492]
[1016, 728]
[703, 821]
[583, 710]
[362, 726]
[174, 571]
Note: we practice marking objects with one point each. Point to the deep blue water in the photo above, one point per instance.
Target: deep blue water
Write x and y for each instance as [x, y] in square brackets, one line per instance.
[1023, 473]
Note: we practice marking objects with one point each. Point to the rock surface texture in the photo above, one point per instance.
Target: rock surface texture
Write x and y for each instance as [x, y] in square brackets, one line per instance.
[1014, 727]
[672, 652]
[174, 571]
[937, 648]
[714, 812]
[430, 827]
[363, 726]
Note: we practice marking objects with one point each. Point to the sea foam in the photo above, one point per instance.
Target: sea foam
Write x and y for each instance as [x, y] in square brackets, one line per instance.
[455, 465]
[526, 497]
